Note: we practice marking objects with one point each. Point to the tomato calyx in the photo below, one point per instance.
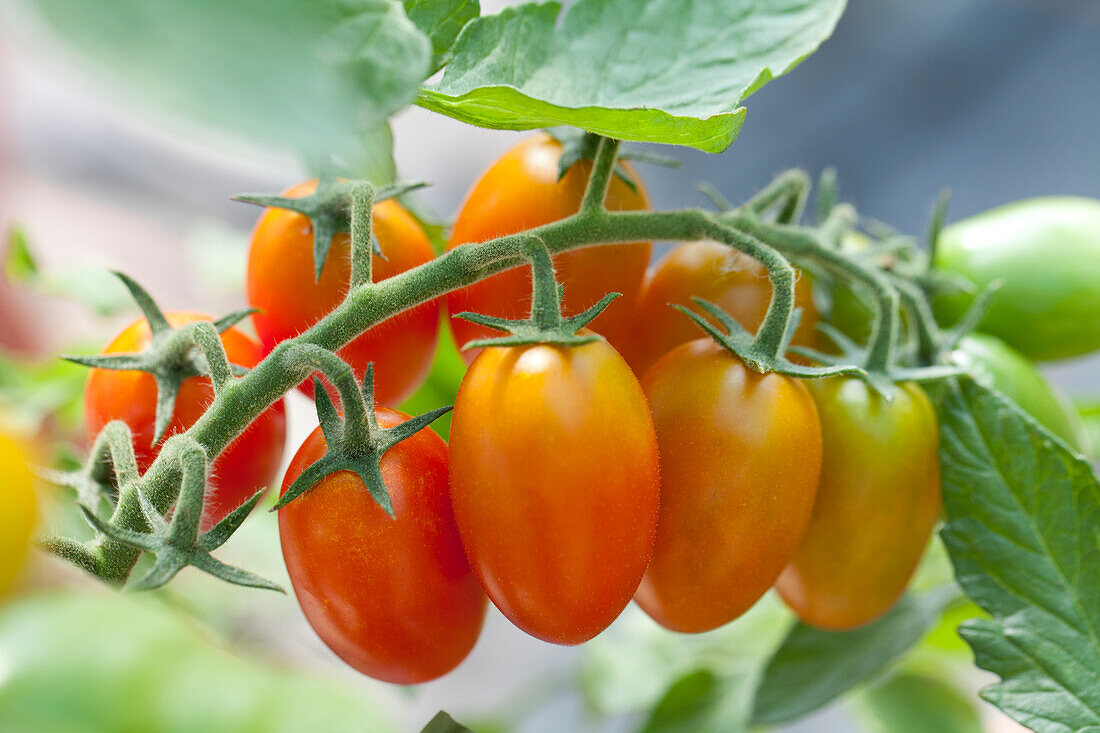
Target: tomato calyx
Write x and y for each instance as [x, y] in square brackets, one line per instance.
[357, 442]
[330, 210]
[171, 357]
[177, 543]
[546, 324]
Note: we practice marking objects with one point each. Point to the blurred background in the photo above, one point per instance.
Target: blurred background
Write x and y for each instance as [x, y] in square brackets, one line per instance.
[994, 99]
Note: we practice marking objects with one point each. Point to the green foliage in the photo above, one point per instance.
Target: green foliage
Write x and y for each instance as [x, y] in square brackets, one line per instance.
[667, 71]
[318, 78]
[441, 21]
[915, 703]
[145, 668]
[813, 667]
[1022, 532]
[444, 723]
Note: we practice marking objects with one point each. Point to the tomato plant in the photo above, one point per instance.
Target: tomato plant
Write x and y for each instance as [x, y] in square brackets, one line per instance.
[554, 481]
[522, 190]
[20, 510]
[393, 597]
[282, 285]
[740, 457]
[249, 464]
[715, 272]
[1045, 255]
[877, 503]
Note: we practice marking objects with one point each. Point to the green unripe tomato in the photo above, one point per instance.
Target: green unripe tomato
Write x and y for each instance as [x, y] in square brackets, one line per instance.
[995, 364]
[1046, 253]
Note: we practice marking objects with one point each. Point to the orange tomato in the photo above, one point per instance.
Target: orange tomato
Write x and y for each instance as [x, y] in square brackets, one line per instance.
[714, 272]
[520, 191]
[282, 285]
[247, 465]
[554, 482]
[740, 458]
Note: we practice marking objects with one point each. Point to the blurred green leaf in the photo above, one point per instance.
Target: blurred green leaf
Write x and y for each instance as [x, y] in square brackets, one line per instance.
[695, 704]
[316, 77]
[32, 392]
[83, 662]
[1090, 415]
[441, 21]
[1023, 527]
[813, 667]
[19, 264]
[441, 386]
[444, 723]
[912, 703]
[666, 71]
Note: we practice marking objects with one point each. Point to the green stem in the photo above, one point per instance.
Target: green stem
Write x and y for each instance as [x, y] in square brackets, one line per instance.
[603, 165]
[362, 204]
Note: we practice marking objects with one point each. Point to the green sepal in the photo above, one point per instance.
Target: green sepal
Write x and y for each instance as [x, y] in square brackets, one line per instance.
[879, 380]
[171, 357]
[329, 210]
[355, 443]
[178, 543]
[742, 344]
[711, 192]
[525, 331]
[971, 318]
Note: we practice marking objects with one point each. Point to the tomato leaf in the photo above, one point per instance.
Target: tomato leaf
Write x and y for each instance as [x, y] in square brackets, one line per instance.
[666, 71]
[914, 703]
[441, 21]
[699, 702]
[315, 78]
[1024, 536]
[813, 667]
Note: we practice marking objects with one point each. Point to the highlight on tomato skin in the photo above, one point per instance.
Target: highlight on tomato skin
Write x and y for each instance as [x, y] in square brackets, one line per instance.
[740, 461]
[283, 286]
[555, 484]
[394, 597]
[715, 272]
[521, 190]
[251, 462]
[877, 505]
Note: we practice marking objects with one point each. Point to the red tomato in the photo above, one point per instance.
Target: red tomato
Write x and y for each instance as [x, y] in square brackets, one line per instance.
[393, 597]
[714, 272]
[248, 464]
[282, 285]
[520, 191]
[554, 481]
[876, 507]
[740, 458]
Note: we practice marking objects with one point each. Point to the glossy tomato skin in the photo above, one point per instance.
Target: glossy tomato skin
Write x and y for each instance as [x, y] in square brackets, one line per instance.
[18, 511]
[877, 504]
[393, 597]
[714, 272]
[554, 482]
[740, 458]
[247, 465]
[1046, 254]
[520, 191]
[283, 286]
[996, 364]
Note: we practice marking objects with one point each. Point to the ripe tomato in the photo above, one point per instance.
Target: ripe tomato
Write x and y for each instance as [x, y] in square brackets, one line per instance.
[714, 272]
[995, 364]
[247, 465]
[740, 457]
[1046, 254]
[877, 503]
[554, 481]
[520, 191]
[282, 285]
[18, 511]
[393, 597]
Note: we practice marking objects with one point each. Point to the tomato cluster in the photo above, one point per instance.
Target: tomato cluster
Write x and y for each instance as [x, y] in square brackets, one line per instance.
[649, 464]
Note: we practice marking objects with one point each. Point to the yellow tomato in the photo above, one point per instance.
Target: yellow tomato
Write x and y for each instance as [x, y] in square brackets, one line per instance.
[18, 508]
